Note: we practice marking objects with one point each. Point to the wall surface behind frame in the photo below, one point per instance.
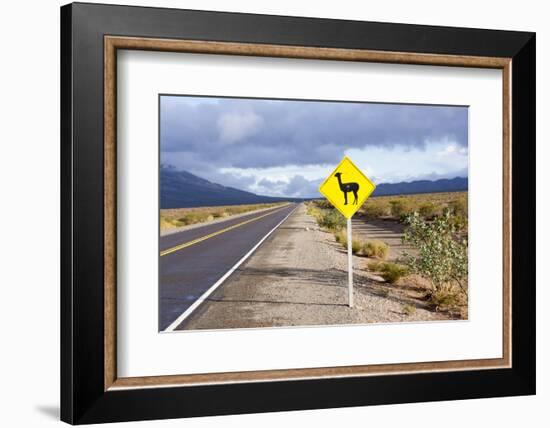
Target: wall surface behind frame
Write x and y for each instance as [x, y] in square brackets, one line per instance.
[29, 231]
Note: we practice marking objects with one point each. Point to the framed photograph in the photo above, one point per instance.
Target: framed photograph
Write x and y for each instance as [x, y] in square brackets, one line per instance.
[265, 213]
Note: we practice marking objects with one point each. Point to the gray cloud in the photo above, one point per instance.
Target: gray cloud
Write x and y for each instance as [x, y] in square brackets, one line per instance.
[297, 187]
[246, 133]
[301, 187]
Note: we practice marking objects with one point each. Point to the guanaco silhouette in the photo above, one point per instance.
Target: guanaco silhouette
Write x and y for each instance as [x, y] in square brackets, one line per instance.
[347, 187]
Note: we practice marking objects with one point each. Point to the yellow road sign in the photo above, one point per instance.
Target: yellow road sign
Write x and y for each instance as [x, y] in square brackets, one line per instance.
[347, 188]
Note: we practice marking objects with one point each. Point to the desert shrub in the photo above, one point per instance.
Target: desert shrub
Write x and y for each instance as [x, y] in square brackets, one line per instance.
[442, 254]
[459, 207]
[376, 208]
[192, 218]
[237, 210]
[331, 219]
[323, 204]
[176, 217]
[445, 297]
[391, 272]
[166, 224]
[429, 210]
[401, 207]
[408, 309]
[375, 266]
[375, 248]
[313, 211]
[460, 223]
[341, 237]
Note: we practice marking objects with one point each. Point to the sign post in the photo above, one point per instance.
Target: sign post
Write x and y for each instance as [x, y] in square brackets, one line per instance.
[350, 267]
[347, 188]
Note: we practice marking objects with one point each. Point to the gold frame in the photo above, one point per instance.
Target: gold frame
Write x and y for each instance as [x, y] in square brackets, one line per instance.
[113, 43]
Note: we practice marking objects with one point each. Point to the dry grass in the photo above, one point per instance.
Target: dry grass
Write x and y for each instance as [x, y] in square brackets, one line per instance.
[449, 299]
[408, 309]
[177, 217]
[391, 272]
[375, 248]
[427, 204]
[327, 217]
[341, 237]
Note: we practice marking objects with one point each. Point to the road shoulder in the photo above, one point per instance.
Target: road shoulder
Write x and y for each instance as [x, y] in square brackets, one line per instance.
[298, 277]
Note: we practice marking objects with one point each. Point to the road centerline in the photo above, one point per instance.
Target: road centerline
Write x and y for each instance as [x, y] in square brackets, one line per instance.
[218, 232]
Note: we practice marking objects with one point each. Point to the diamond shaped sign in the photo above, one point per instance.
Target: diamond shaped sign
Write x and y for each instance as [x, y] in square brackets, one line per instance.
[347, 188]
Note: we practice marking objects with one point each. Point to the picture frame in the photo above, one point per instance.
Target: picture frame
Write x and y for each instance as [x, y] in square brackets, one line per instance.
[91, 391]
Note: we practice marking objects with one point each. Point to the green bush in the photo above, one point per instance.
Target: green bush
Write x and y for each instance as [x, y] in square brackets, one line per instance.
[391, 272]
[355, 246]
[331, 220]
[442, 253]
[376, 249]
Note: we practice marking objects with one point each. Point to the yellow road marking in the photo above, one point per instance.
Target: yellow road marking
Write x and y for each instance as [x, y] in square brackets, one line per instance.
[219, 232]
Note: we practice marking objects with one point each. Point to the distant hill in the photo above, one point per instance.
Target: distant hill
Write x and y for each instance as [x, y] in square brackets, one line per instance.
[422, 186]
[181, 189]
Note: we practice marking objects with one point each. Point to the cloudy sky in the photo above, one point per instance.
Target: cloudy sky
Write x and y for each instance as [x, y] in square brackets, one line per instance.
[287, 148]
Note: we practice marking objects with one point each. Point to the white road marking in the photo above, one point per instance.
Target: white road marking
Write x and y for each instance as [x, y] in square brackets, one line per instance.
[219, 282]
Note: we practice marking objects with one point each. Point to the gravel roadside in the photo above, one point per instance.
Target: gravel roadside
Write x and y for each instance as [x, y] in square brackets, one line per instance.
[299, 277]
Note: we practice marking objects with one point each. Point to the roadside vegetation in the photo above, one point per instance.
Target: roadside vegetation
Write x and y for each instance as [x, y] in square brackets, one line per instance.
[408, 309]
[391, 272]
[436, 230]
[178, 217]
[332, 221]
[442, 258]
[327, 217]
[375, 248]
[428, 206]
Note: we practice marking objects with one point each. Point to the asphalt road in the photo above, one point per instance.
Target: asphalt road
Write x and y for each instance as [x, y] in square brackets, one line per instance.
[192, 261]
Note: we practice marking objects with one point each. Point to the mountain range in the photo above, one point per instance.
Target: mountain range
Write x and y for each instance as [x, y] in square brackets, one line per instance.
[181, 189]
[422, 186]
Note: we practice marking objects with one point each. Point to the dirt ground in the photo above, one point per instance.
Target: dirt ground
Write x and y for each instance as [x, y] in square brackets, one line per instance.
[384, 230]
[299, 277]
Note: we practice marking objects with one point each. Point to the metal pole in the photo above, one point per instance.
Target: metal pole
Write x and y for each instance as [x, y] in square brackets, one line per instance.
[350, 267]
